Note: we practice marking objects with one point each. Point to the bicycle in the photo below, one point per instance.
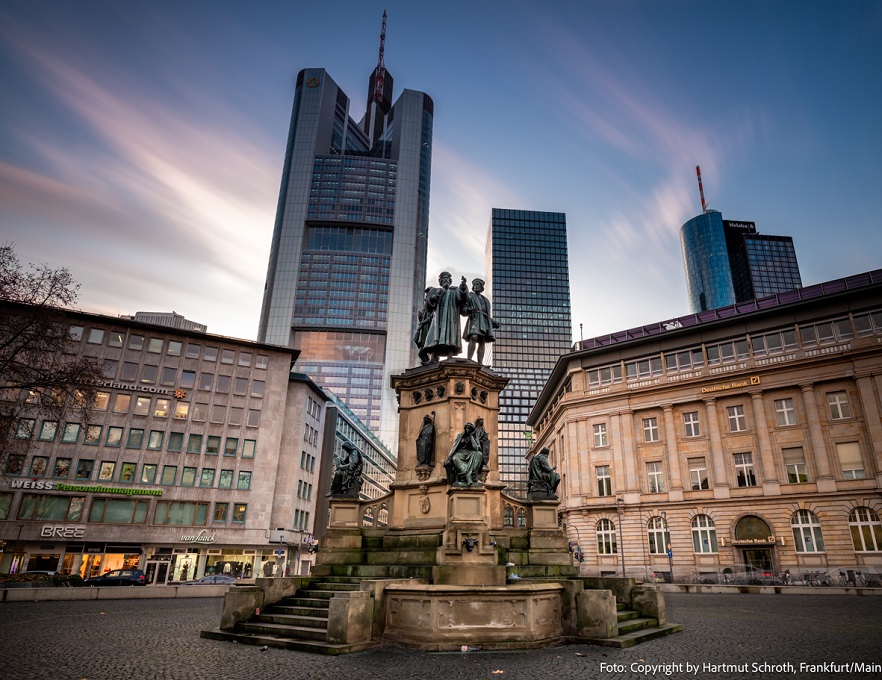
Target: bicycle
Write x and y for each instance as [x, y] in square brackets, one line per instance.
[817, 578]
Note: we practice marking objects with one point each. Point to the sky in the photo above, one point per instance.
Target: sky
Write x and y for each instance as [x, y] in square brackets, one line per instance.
[142, 142]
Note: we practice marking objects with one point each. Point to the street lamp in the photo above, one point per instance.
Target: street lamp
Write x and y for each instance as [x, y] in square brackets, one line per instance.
[619, 508]
[664, 516]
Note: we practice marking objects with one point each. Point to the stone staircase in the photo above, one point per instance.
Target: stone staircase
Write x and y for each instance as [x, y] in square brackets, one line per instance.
[635, 628]
[299, 623]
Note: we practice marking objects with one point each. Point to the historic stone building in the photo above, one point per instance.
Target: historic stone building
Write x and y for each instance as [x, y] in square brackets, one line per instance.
[746, 435]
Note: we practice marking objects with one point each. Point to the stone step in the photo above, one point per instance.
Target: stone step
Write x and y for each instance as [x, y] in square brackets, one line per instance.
[281, 630]
[294, 620]
[286, 610]
[328, 578]
[625, 640]
[312, 593]
[297, 645]
[626, 614]
[309, 602]
[638, 623]
[335, 586]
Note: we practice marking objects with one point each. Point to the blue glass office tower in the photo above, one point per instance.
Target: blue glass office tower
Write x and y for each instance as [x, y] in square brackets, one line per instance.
[528, 283]
[727, 261]
[347, 263]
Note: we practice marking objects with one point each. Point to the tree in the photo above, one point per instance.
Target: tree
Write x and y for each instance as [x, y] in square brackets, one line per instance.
[42, 375]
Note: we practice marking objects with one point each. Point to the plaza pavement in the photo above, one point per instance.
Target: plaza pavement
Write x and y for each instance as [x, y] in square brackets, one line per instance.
[135, 639]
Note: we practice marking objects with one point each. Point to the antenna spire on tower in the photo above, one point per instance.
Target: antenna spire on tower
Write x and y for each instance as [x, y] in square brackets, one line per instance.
[380, 80]
[700, 188]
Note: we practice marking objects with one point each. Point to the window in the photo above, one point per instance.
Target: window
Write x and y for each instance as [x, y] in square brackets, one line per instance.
[154, 440]
[218, 413]
[48, 430]
[220, 512]
[121, 403]
[785, 412]
[200, 412]
[240, 387]
[75, 333]
[114, 436]
[84, 469]
[5, 504]
[169, 376]
[207, 478]
[210, 354]
[253, 418]
[71, 433]
[604, 483]
[175, 441]
[244, 482]
[118, 511]
[600, 435]
[194, 443]
[644, 368]
[794, 465]
[239, 512]
[14, 465]
[129, 371]
[744, 469]
[188, 379]
[727, 352]
[93, 435]
[807, 535]
[188, 476]
[161, 410]
[51, 508]
[248, 447]
[149, 374]
[659, 539]
[142, 406]
[116, 338]
[685, 360]
[737, 421]
[704, 535]
[39, 466]
[825, 333]
[226, 480]
[244, 358]
[180, 513]
[690, 423]
[262, 361]
[650, 429]
[850, 460]
[866, 530]
[212, 445]
[205, 381]
[235, 415]
[867, 324]
[223, 384]
[181, 410]
[607, 375]
[109, 369]
[148, 473]
[656, 476]
[231, 446]
[174, 348]
[105, 472]
[127, 472]
[228, 356]
[62, 468]
[135, 439]
[25, 428]
[96, 336]
[155, 345]
[169, 475]
[838, 403]
[257, 388]
[773, 343]
[606, 538]
[102, 401]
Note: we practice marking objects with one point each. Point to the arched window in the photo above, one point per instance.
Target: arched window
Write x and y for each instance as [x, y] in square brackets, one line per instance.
[806, 532]
[866, 530]
[522, 518]
[508, 515]
[704, 534]
[383, 516]
[658, 537]
[606, 538]
[368, 517]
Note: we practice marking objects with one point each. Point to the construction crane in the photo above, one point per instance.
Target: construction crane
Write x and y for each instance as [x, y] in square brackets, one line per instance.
[697, 173]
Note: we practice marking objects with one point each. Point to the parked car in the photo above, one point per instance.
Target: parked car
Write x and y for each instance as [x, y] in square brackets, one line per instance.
[211, 580]
[40, 571]
[119, 577]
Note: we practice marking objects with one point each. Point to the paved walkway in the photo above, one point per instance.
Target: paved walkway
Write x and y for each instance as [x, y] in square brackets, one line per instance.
[142, 639]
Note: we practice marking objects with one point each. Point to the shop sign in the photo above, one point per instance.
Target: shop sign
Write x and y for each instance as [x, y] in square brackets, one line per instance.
[754, 541]
[51, 531]
[132, 388]
[735, 384]
[202, 537]
[61, 486]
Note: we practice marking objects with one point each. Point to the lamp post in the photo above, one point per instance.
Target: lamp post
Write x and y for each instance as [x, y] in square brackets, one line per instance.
[664, 516]
[619, 508]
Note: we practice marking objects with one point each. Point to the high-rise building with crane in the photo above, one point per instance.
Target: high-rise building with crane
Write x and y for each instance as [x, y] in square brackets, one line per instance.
[347, 262]
[728, 261]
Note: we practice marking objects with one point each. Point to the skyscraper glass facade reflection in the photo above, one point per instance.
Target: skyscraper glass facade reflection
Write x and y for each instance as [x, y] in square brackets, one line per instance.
[528, 283]
[727, 261]
[348, 257]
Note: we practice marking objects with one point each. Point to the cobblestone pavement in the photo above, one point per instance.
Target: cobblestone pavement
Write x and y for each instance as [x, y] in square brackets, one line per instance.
[160, 639]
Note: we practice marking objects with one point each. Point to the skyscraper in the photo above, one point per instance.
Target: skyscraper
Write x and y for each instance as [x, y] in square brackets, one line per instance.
[727, 261]
[347, 263]
[528, 282]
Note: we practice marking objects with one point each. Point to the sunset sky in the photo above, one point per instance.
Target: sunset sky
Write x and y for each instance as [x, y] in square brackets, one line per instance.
[141, 143]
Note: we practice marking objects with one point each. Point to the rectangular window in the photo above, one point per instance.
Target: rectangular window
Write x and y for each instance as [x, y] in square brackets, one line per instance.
[84, 469]
[48, 430]
[212, 445]
[102, 401]
[148, 473]
[210, 354]
[600, 435]
[744, 469]
[684, 360]
[114, 436]
[257, 388]
[228, 356]
[154, 440]
[785, 412]
[644, 368]
[93, 435]
[850, 460]
[142, 406]
[218, 413]
[75, 333]
[194, 443]
[62, 468]
[51, 508]
[116, 339]
[226, 480]
[244, 480]
[39, 466]
[244, 358]
[169, 376]
[135, 439]
[248, 447]
[121, 403]
[235, 416]
[205, 381]
[231, 446]
[200, 412]
[169, 475]
[262, 361]
[253, 418]
[25, 428]
[155, 345]
[656, 477]
[697, 473]
[14, 465]
[604, 482]
[188, 476]
[240, 387]
[220, 512]
[161, 410]
[838, 403]
[239, 512]
[127, 472]
[650, 429]
[690, 424]
[179, 513]
[188, 380]
[174, 348]
[223, 384]
[129, 371]
[106, 471]
[182, 409]
[149, 374]
[794, 464]
[118, 511]
[175, 441]
[737, 421]
[71, 433]
[136, 342]
[207, 479]
[109, 369]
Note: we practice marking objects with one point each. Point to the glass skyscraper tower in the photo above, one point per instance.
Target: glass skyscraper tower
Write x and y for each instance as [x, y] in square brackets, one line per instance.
[727, 261]
[347, 263]
[528, 283]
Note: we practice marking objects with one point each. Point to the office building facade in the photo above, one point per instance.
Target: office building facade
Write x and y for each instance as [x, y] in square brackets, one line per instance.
[347, 264]
[727, 261]
[528, 284]
[748, 439]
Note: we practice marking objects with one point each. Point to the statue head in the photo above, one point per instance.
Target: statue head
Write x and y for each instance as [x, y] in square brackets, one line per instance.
[543, 452]
[469, 428]
[478, 285]
[479, 422]
[426, 420]
[445, 279]
[348, 447]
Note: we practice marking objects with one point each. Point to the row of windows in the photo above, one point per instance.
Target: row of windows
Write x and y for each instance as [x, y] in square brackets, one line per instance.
[864, 524]
[169, 377]
[121, 511]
